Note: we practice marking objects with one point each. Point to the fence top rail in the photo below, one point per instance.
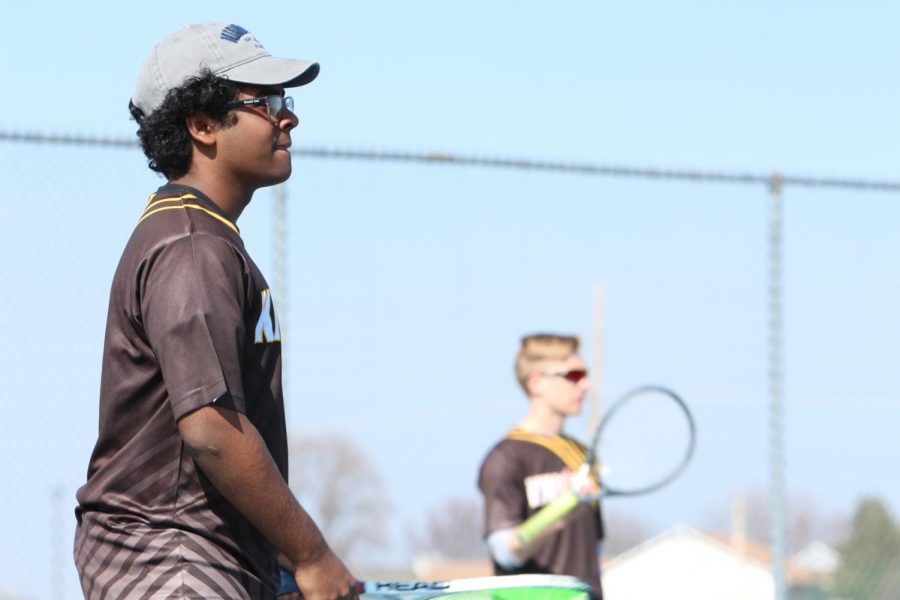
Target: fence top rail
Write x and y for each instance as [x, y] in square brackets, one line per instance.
[774, 179]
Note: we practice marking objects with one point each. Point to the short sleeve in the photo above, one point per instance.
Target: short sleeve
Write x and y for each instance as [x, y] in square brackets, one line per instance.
[191, 297]
[502, 485]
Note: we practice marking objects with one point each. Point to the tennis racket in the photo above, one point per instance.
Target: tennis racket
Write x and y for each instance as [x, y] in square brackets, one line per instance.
[644, 441]
[506, 587]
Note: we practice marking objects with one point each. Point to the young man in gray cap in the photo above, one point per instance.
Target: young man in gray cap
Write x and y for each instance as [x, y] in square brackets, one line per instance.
[186, 493]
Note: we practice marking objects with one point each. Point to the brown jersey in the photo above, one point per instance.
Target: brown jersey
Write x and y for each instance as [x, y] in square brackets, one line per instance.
[521, 474]
[191, 322]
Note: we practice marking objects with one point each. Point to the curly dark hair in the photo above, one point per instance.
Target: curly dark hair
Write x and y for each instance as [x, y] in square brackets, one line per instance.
[163, 133]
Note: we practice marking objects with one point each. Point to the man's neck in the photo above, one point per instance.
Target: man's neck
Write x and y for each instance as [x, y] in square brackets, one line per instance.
[542, 422]
[229, 198]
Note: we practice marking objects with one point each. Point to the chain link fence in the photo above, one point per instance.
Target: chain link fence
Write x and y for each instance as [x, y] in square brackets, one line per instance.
[388, 246]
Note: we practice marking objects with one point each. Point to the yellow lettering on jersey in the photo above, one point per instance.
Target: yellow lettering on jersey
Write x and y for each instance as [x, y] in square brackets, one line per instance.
[267, 327]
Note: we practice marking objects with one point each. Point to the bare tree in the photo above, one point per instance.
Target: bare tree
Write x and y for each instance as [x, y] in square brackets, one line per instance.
[806, 522]
[454, 530]
[343, 492]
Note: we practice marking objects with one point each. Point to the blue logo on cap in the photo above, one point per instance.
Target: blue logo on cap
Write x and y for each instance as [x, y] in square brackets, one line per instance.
[233, 33]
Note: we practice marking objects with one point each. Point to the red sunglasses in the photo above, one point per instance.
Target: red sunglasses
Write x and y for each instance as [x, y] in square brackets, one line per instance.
[572, 375]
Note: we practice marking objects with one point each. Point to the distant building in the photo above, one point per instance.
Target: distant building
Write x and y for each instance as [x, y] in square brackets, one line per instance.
[812, 571]
[683, 563]
[686, 563]
[817, 559]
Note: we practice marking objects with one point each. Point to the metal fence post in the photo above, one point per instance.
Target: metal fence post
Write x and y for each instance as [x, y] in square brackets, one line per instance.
[776, 408]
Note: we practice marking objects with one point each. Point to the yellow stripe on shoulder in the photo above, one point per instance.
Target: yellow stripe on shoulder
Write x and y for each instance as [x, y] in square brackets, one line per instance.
[157, 206]
[153, 204]
[570, 452]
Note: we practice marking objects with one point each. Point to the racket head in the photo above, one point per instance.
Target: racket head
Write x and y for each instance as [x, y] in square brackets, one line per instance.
[645, 440]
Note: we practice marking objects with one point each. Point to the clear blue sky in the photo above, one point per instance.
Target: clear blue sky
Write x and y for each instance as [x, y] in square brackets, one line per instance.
[410, 285]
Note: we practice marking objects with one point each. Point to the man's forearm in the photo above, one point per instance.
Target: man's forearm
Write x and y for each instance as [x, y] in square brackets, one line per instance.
[232, 454]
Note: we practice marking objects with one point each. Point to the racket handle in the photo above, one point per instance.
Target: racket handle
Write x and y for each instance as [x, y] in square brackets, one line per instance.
[540, 521]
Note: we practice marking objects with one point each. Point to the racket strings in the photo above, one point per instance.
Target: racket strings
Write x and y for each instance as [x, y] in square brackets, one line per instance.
[645, 441]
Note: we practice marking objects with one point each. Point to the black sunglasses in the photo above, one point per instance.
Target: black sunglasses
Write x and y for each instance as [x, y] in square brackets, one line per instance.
[275, 104]
[572, 375]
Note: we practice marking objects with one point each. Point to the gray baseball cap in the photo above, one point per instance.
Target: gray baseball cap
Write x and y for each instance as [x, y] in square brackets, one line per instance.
[226, 49]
